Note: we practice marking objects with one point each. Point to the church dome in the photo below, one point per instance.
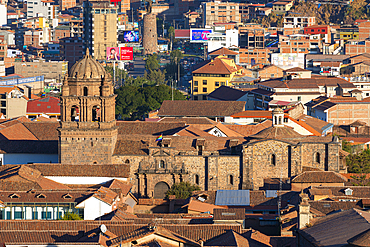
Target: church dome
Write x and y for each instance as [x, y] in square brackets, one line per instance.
[277, 133]
[87, 68]
[277, 111]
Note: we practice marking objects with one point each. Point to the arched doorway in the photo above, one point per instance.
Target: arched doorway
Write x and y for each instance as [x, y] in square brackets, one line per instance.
[160, 190]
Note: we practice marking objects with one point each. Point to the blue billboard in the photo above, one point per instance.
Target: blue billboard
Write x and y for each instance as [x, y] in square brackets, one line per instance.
[200, 35]
[22, 80]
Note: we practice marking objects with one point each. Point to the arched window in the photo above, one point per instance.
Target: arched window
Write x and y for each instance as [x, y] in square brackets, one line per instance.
[96, 113]
[74, 113]
[161, 164]
[273, 159]
[280, 121]
[127, 162]
[86, 91]
[196, 179]
[317, 157]
[231, 179]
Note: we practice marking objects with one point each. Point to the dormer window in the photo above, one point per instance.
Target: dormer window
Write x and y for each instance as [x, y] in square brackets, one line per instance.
[14, 196]
[67, 196]
[41, 196]
[348, 192]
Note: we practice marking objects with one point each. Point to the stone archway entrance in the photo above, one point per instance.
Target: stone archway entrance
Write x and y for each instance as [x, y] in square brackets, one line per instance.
[160, 190]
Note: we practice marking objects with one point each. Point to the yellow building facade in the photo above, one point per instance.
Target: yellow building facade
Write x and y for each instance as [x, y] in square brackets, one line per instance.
[218, 72]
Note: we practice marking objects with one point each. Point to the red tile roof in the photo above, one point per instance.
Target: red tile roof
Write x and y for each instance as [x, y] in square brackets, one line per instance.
[48, 105]
[216, 66]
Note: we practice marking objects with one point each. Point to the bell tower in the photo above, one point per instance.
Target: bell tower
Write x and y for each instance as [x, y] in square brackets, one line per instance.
[88, 131]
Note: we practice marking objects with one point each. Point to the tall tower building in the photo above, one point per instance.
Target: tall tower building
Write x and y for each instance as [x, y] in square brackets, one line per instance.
[100, 27]
[88, 130]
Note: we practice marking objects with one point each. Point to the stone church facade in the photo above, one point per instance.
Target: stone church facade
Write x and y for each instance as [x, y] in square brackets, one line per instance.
[89, 134]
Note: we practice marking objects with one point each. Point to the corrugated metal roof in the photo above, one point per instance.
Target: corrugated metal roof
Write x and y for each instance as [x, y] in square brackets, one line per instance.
[233, 198]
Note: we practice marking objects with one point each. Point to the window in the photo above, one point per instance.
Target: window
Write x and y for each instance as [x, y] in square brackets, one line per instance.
[204, 90]
[217, 83]
[161, 164]
[195, 97]
[299, 98]
[127, 162]
[204, 82]
[231, 179]
[195, 83]
[195, 89]
[85, 91]
[45, 215]
[222, 83]
[317, 158]
[196, 179]
[273, 159]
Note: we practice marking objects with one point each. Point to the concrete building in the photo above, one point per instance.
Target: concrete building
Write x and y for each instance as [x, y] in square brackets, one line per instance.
[12, 102]
[51, 70]
[282, 7]
[251, 38]
[217, 72]
[45, 8]
[100, 27]
[220, 12]
[218, 40]
[71, 49]
[66, 4]
[298, 21]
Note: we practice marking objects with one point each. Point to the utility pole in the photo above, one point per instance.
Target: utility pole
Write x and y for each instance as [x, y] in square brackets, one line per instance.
[164, 19]
[178, 70]
[172, 87]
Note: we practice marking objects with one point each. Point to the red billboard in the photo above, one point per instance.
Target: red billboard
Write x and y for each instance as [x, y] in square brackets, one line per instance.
[127, 53]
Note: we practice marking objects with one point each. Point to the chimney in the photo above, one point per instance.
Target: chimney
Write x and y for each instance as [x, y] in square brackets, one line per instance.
[303, 211]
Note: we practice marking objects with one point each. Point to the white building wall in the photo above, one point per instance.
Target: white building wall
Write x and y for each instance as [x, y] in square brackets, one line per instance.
[93, 208]
[82, 180]
[3, 15]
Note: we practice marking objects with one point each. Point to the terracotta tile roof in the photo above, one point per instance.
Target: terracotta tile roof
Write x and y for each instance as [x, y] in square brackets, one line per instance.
[118, 215]
[317, 124]
[337, 229]
[362, 239]
[45, 105]
[45, 119]
[227, 131]
[227, 94]
[319, 177]
[76, 170]
[277, 133]
[330, 64]
[192, 131]
[307, 127]
[201, 207]
[222, 51]
[216, 66]
[45, 196]
[231, 238]
[148, 128]
[253, 114]
[200, 108]
[248, 130]
[150, 230]
[359, 192]
[188, 120]
[16, 132]
[295, 69]
[43, 130]
[229, 214]
[123, 187]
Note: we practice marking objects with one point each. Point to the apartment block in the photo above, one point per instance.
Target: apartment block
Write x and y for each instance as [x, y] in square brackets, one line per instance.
[46, 8]
[12, 102]
[355, 47]
[254, 56]
[51, 70]
[298, 43]
[61, 32]
[214, 12]
[71, 49]
[251, 38]
[36, 37]
[348, 33]
[298, 21]
[100, 27]
[66, 4]
[364, 30]
[282, 6]
[323, 30]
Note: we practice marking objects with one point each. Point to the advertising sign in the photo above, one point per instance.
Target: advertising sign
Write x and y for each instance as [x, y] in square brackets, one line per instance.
[127, 53]
[200, 35]
[112, 53]
[131, 36]
[288, 60]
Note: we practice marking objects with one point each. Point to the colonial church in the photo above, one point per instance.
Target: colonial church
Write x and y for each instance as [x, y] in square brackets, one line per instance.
[89, 134]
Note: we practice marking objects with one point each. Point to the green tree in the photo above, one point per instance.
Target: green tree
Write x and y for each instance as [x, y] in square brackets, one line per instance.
[120, 74]
[182, 190]
[71, 216]
[156, 76]
[152, 62]
[360, 180]
[171, 35]
[134, 102]
[359, 163]
[176, 56]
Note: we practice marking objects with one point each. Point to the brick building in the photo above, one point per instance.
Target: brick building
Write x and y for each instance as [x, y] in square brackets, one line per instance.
[355, 47]
[66, 4]
[251, 37]
[254, 56]
[364, 30]
[71, 49]
[323, 30]
[62, 32]
[297, 43]
[216, 12]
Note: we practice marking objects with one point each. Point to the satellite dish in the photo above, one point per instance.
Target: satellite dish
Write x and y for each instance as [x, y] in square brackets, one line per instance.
[103, 228]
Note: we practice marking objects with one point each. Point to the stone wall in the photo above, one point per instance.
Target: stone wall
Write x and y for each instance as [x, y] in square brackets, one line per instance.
[150, 34]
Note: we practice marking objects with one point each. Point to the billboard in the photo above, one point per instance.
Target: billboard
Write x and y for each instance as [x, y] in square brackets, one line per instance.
[131, 36]
[112, 53]
[127, 53]
[200, 35]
